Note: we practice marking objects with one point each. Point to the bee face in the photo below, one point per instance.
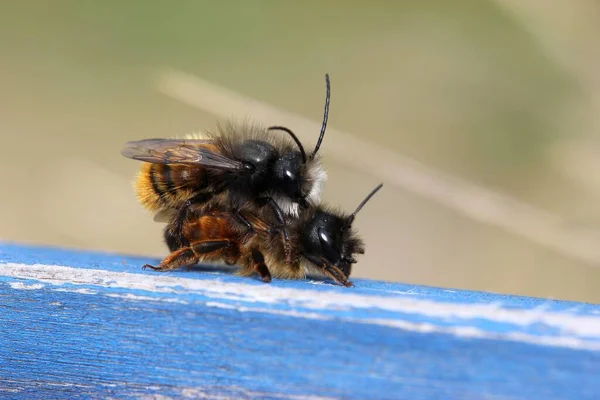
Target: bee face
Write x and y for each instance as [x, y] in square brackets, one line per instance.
[329, 237]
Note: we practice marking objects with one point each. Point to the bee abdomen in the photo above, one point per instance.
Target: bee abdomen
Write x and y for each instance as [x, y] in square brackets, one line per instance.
[210, 228]
[161, 186]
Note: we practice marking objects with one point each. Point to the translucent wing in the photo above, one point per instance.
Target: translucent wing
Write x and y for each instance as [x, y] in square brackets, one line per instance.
[165, 215]
[179, 151]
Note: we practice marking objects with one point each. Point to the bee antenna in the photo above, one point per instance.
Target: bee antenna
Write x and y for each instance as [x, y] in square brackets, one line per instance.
[362, 203]
[293, 135]
[325, 116]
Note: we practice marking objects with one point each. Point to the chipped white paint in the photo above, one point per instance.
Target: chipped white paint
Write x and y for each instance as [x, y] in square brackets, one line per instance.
[80, 291]
[23, 286]
[202, 393]
[460, 331]
[578, 331]
[130, 296]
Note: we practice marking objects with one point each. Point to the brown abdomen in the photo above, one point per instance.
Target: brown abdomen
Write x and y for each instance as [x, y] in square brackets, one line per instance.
[160, 186]
[209, 227]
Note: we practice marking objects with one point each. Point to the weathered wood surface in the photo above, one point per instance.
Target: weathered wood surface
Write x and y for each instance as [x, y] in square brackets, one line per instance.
[92, 325]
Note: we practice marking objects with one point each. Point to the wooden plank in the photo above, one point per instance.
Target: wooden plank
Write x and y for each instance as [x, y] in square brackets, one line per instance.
[78, 325]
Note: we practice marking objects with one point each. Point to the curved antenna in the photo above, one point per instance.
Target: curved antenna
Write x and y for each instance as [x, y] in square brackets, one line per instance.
[325, 116]
[362, 204]
[293, 135]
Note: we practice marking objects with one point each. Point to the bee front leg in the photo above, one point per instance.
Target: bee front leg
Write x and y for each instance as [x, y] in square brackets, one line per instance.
[243, 220]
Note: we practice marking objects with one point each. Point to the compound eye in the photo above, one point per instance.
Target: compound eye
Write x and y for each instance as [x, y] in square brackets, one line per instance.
[290, 176]
[327, 246]
[324, 238]
[290, 184]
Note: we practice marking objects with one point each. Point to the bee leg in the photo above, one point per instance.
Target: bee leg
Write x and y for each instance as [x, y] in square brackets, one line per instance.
[209, 246]
[190, 255]
[250, 227]
[243, 220]
[258, 264]
[281, 220]
[176, 259]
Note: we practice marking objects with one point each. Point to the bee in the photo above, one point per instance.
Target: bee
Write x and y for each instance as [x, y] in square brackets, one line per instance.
[248, 162]
[322, 239]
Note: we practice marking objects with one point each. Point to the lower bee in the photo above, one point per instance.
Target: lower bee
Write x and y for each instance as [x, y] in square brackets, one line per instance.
[322, 241]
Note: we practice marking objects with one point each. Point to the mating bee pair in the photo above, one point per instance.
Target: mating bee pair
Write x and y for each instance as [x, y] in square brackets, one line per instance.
[248, 196]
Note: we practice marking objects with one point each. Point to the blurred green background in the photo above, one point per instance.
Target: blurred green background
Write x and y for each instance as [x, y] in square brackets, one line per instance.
[503, 94]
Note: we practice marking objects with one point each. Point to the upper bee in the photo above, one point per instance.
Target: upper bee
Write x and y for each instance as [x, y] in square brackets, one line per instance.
[249, 162]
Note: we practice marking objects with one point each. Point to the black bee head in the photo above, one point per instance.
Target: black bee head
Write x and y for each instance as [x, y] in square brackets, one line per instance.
[329, 237]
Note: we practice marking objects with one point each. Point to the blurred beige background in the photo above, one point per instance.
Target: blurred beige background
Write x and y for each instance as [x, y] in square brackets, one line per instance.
[502, 95]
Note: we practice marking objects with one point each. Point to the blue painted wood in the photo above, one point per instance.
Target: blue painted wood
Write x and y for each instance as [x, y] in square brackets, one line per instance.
[86, 324]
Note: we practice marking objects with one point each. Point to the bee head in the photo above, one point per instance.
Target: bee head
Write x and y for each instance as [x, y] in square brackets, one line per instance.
[329, 238]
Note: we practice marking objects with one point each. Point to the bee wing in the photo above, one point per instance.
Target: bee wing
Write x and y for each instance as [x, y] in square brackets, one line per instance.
[179, 151]
[165, 215]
